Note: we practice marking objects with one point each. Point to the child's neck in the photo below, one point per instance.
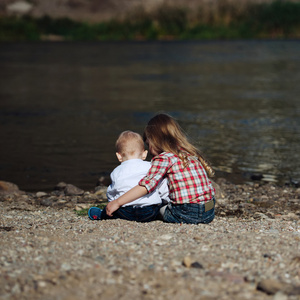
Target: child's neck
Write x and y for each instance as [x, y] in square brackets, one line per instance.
[130, 158]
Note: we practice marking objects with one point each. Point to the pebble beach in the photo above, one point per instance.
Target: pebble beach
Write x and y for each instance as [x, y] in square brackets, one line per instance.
[48, 250]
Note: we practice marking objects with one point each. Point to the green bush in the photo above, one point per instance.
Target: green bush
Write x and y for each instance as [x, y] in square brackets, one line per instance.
[12, 29]
[171, 20]
[275, 17]
[62, 27]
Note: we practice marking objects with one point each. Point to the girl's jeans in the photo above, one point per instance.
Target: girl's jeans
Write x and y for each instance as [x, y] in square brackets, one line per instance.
[189, 213]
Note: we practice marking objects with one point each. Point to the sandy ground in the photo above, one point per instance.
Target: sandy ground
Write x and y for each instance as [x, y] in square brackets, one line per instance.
[250, 251]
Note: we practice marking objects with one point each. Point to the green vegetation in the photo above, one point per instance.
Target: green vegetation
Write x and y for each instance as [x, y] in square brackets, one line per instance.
[279, 19]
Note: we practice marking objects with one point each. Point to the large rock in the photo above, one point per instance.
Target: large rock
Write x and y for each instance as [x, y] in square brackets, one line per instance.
[68, 189]
[60, 186]
[72, 190]
[8, 188]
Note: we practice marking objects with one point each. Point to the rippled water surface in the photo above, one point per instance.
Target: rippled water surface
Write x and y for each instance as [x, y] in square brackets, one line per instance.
[62, 106]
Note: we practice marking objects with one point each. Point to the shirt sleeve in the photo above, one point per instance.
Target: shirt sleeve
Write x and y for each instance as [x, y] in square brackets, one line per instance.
[159, 167]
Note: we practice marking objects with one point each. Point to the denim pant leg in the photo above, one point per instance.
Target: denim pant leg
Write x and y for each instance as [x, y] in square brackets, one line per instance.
[131, 213]
[147, 213]
[188, 213]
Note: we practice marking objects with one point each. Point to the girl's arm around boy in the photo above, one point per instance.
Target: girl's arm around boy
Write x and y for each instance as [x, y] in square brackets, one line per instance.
[133, 194]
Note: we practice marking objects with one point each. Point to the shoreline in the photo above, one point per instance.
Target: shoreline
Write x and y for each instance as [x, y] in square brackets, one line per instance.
[232, 199]
[86, 185]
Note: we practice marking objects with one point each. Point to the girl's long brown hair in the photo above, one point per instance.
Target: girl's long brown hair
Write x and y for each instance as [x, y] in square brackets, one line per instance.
[165, 135]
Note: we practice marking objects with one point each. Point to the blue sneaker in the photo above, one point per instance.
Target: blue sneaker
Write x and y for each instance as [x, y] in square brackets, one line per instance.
[95, 213]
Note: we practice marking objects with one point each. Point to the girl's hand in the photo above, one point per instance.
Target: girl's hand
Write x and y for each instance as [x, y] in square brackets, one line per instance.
[111, 207]
[133, 194]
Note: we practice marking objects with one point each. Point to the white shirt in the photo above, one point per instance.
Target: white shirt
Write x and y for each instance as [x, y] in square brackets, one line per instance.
[127, 175]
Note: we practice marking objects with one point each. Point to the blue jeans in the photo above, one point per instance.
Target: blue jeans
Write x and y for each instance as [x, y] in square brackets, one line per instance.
[134, 213]
[189, 213]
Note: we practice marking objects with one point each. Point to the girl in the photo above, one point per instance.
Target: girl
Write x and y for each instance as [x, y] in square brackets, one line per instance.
[175, 158]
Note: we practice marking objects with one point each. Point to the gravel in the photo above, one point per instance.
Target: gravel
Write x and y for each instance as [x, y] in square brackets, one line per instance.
[250, 251]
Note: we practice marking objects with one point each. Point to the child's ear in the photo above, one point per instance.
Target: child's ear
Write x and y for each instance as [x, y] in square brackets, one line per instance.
[119, 156]
[144, 155]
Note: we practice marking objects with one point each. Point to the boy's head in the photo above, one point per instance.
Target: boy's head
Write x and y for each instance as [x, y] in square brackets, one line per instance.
[130, 145]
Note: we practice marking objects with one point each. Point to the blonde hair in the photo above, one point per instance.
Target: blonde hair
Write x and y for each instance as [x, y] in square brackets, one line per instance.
[129, 143]
[165, 135]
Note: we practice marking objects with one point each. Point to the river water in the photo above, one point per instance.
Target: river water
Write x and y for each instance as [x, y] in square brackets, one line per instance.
[62, 106]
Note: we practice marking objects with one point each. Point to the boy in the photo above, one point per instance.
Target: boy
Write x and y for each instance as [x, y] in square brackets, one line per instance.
[131, 154]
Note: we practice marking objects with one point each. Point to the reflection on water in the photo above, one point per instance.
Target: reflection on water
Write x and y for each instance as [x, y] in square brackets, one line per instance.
[63, 105]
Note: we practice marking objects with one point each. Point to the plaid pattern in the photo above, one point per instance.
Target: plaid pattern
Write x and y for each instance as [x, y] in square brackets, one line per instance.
[186, 185]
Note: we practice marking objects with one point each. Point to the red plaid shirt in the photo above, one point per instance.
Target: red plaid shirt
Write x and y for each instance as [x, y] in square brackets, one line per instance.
[188, 184]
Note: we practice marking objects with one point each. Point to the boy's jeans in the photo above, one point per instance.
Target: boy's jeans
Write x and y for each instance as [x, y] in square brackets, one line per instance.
[134, 213]
[189, 213]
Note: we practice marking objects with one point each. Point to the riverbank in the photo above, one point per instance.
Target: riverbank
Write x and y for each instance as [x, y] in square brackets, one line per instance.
[222, 20]
[250, 251]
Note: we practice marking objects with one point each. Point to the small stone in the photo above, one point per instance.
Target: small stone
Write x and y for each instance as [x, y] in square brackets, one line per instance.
[41, 194]
[166, 237]
[104, 181]
[46, 202]
[290, 217]
[280, 296]
[259, 215]
[81, 206]
[80, 252]
[60, 186]
[270, 286]
[66, 267]
[187, 262]
[41, 284]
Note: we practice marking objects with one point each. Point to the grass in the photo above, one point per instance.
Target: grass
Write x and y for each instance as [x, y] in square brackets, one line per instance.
[278, 19]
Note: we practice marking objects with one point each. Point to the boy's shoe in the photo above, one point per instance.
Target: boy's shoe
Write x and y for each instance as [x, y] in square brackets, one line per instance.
[95, 213]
